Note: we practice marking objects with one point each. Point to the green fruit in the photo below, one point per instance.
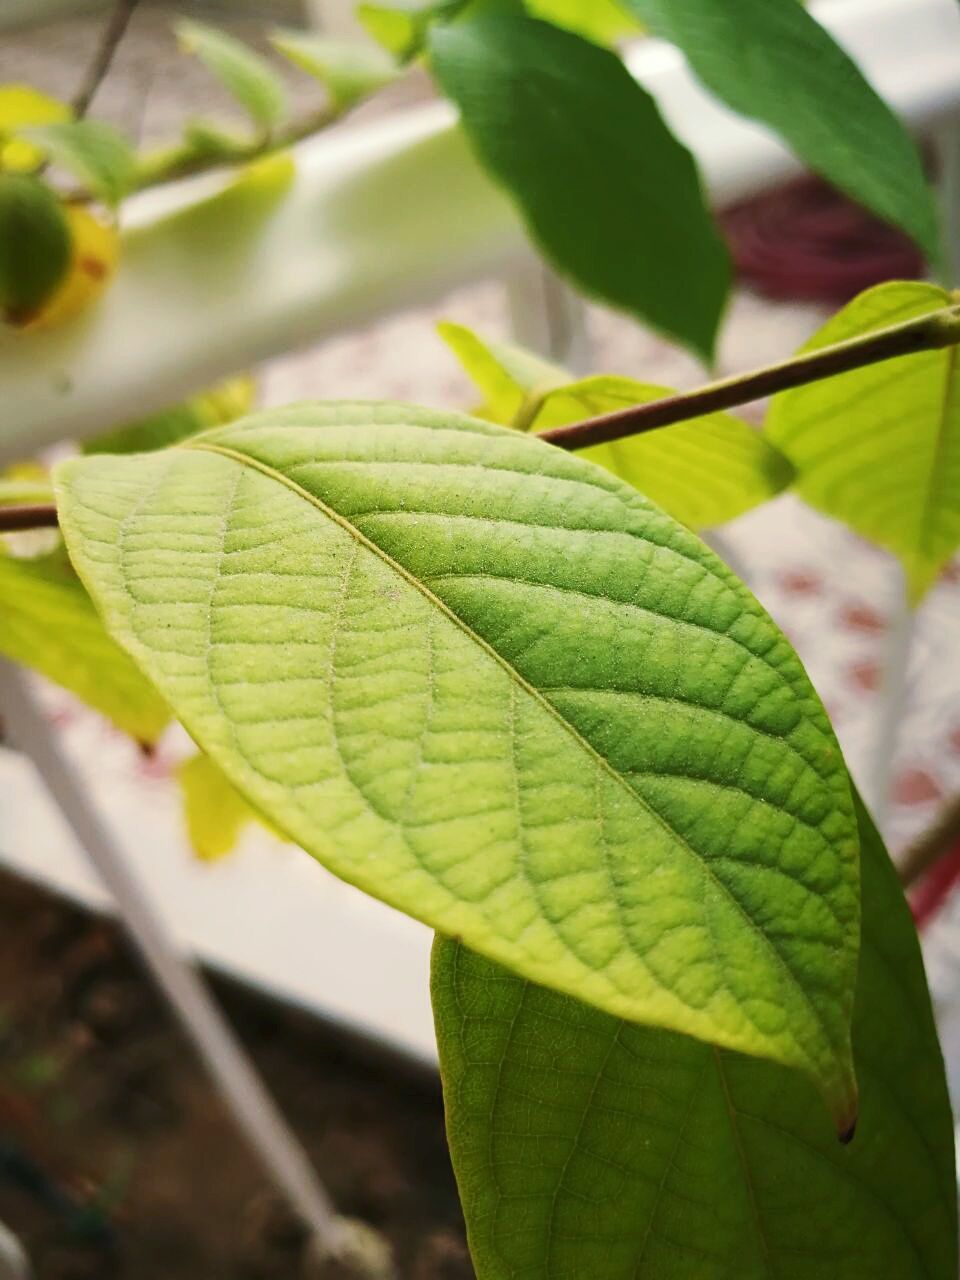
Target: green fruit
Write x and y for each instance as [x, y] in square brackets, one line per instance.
[35, 245]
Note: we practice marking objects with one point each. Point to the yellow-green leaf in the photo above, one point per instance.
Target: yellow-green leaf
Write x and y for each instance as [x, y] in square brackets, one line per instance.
[48, 623]
[20, 106]
[215, 811]
[879, 448]
[95, 153]
[603, 21]
[493, 685]
[228, 400]
[703, 472]
[511, 379]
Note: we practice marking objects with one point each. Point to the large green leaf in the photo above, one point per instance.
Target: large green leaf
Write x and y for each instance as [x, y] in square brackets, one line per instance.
[489, 683]
[585, 1146]
[704, 472]
[771, 59]
[605, 188]
[48, 623]
[879, 448]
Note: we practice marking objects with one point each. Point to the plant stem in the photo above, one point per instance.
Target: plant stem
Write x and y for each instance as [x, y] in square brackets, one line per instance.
[184, 160]
[932, 845]
[38, 516]
[926, 333]
[113, 33]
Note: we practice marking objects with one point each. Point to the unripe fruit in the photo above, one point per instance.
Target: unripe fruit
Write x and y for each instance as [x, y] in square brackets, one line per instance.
[35, 245]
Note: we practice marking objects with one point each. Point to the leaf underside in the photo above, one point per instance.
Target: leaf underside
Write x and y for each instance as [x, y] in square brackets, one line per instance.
[585, 1146]
[491, 684]
[879, 448]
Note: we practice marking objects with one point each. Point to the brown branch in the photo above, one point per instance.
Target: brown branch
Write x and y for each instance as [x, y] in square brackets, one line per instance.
[17, 519]
[927, 333]
[113, 33]
[932, 845]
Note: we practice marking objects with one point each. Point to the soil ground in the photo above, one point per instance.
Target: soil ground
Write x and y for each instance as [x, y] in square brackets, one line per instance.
[117, 1160]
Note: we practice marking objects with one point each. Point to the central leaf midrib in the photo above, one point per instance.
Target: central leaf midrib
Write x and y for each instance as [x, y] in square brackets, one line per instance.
[331, 513]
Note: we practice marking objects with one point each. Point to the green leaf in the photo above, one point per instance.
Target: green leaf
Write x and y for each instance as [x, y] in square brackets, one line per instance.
[94, 152]
[241, 71]
[489, 683]
[879, 448]
[228, 400]
[512, 379]
[606, 190]
[586, 1146]
[48, 623]
[771, 60]
[603, 21]
[704, 472]
[215, 811]
[348, 71]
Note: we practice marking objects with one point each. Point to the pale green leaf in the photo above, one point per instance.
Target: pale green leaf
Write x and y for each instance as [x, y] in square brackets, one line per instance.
[772, 60]
[605, 21]
[95, 153]
[879, 448]
[215, 811]
[228, 400]
[703, 472]
[586, 1146]
[605, 189]
[241, 71]
[488, 682]
[48, 623]
[348, 71]
[510, 378]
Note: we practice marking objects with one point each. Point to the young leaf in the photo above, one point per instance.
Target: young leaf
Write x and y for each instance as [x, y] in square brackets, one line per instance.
[771, 60]
[400, 26]
[241, 71]
[215, 811]
[228, 400]
[348, 71]
[606, 190]
[510, 377]
[48, 623]
[17, 490]
[95, 153]
[704, 472]
[603, 21]
[586, 1146]
[879, 448]
[488, 682]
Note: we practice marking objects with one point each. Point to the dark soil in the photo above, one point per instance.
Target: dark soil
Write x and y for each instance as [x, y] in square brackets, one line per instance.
[117, 1160]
